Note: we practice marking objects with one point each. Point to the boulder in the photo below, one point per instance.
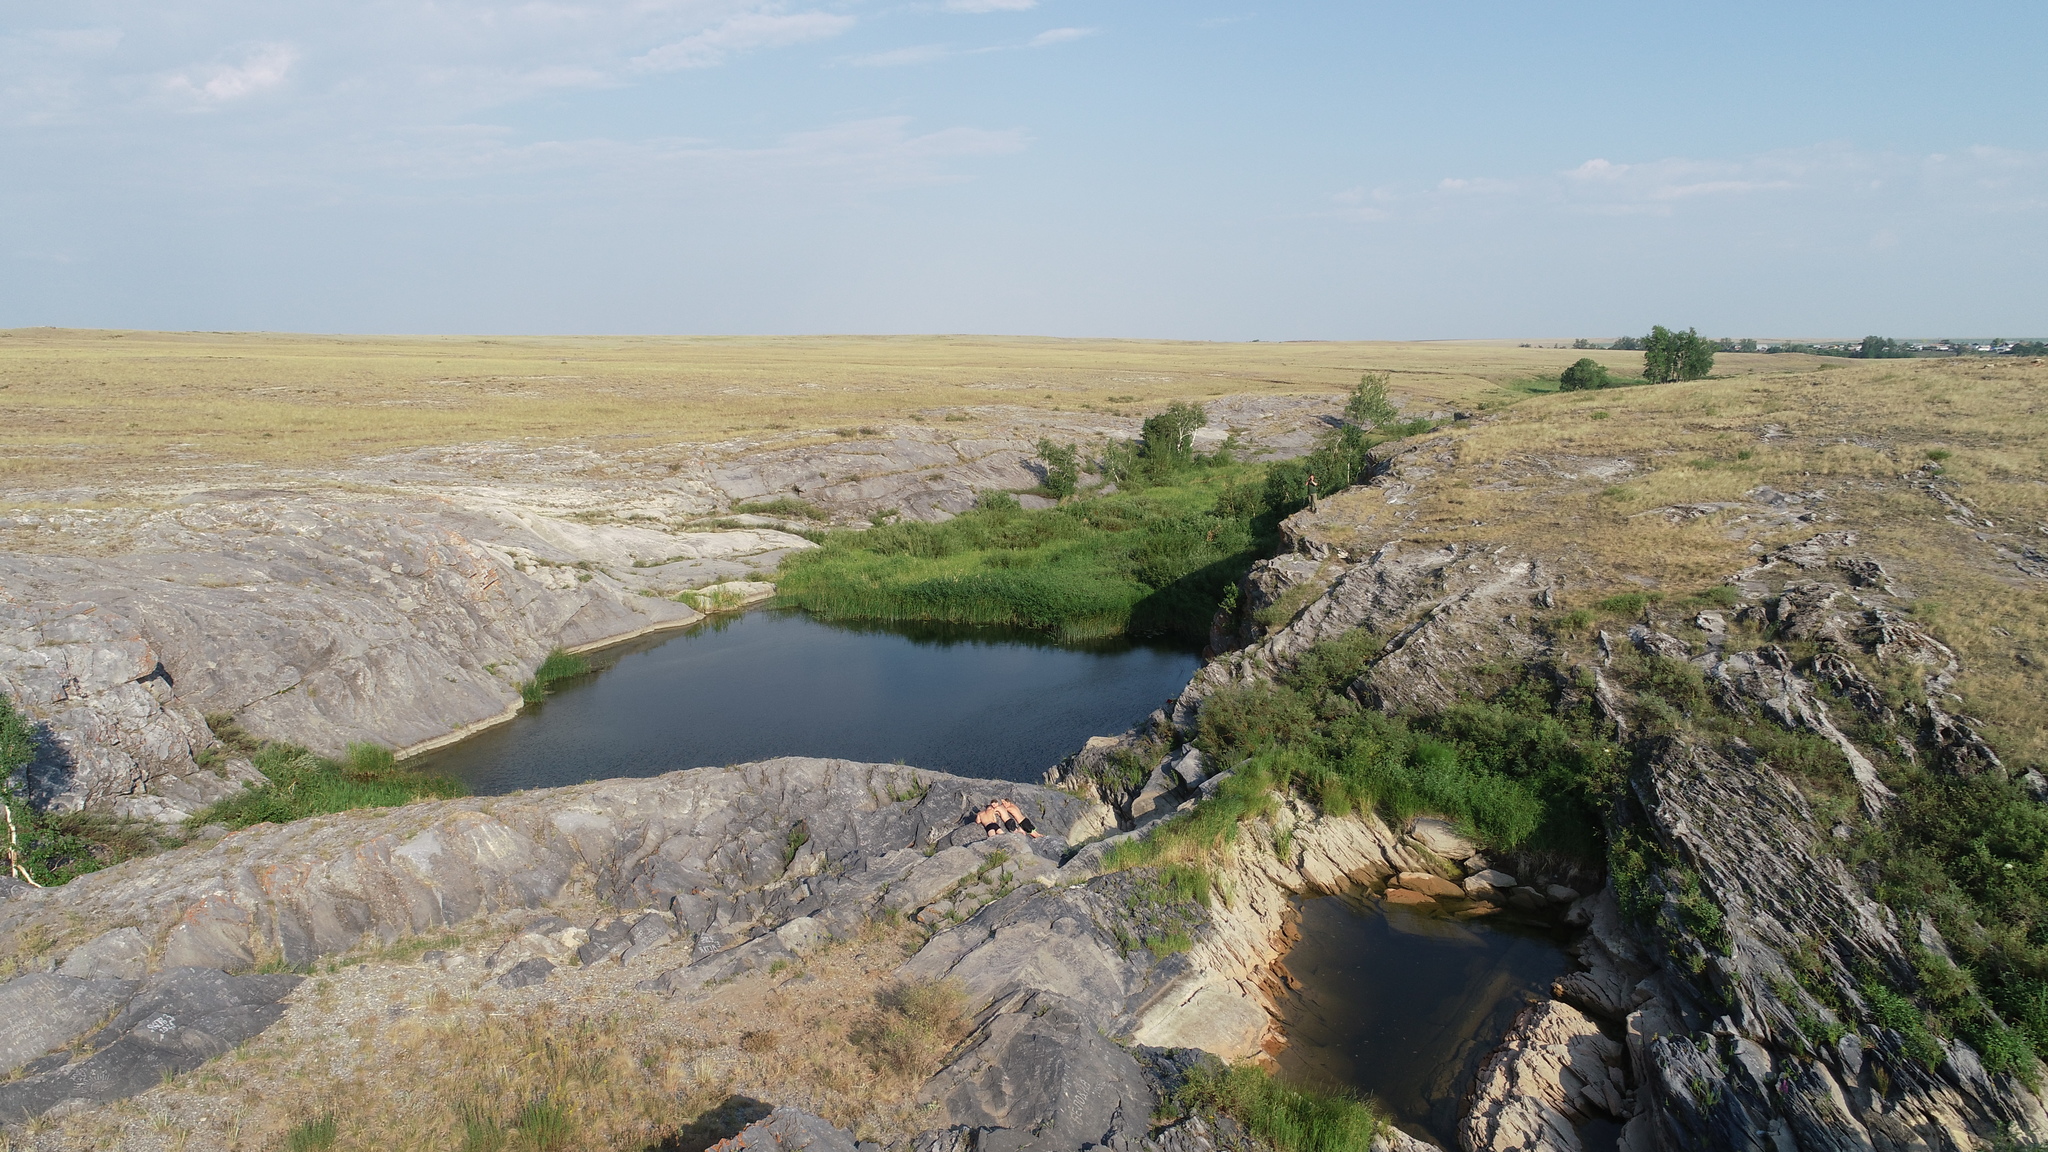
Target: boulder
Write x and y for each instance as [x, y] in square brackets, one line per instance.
[649, 931]
[606, 941]
[1408, 896]
[1439, 836]
[1156, 795]
[526, 974]
[1429, 884]
[118, 955]
[789, 1130]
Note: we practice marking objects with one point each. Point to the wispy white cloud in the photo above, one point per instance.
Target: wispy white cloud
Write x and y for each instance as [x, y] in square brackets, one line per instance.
[263, 68]
[1977, 179]
[899, 57]
[1059, 36]
[743, 32]
[989, 5]
[926, 53]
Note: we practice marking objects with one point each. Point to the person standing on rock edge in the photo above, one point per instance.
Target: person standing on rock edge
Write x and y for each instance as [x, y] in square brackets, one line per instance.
[1311, 491]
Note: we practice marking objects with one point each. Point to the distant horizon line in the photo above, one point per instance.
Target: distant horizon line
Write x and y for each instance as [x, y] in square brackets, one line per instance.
[1545, 343]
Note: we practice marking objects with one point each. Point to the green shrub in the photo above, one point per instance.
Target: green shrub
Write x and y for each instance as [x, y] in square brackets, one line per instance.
[544, 1125]
[1901, 1015]
[299, 783]
[1626, 604]
[1587, 373]
[1062, 468]
[1369, 405]
[1290, 1119]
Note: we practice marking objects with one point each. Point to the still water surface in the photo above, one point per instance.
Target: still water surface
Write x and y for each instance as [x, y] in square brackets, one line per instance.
[971, 701]
[1402, 1005]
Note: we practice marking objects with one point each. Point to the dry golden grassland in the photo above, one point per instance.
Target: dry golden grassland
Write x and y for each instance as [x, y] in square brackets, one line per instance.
[405, 1058]
[1851, 430]
[85, 407]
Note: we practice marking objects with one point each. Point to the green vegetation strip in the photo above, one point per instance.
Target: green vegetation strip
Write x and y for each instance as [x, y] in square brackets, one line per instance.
[1153, 558]
[300, 783]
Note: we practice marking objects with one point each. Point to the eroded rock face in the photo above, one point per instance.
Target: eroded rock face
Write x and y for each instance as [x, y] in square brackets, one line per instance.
[179, 1019]
[401, 600]
[1718, 1022]
[744, 865]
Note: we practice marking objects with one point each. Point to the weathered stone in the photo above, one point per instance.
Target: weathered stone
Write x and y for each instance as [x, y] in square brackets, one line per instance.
[526, 973]
[1429, 884]
[1042, 1076]
[180, 1019]
[121, 954]
[1440, 837]
[1550, 1072]
[1409, 896]
[789, 1130]
[45, 1011]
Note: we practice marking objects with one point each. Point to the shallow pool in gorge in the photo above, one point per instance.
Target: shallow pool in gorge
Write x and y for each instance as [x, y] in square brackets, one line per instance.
[1402, 1005]
[989, 702]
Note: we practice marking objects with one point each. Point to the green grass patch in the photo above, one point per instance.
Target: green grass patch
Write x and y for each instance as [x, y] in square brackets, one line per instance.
[1154, 558]
[1150, 562]
[558, 666]
[312, 1135]
[1508, 770]
[300, 783]
[1290, 1119]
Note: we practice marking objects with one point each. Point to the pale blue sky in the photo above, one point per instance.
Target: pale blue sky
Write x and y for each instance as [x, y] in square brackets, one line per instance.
[1198, 169]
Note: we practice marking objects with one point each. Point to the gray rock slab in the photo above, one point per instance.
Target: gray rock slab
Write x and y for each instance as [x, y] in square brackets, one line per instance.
[526, 974]
[43, 1011]
[1043, 1077]
[121, 954]
[791, 1130]
[180, 1019]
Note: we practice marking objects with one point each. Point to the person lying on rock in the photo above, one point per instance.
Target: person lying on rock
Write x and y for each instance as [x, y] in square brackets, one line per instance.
[1003, 816]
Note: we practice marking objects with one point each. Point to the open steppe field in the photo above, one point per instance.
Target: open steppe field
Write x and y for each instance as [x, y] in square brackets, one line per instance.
[110, 407]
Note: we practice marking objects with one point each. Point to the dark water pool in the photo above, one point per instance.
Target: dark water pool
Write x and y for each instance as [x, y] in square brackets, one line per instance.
[1402, 1006]
[972, 701]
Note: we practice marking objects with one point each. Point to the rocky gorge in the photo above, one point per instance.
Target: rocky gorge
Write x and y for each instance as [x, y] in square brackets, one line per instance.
[1750, 1026]
[402, 601]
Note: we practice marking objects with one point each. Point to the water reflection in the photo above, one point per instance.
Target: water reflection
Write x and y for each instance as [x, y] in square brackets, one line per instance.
[1402, 1005]
[975, 701]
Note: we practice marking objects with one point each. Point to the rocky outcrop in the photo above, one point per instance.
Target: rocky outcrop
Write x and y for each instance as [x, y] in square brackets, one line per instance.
[401, 600]
[1552, 1072]
[1720, 1021]
[737, 866]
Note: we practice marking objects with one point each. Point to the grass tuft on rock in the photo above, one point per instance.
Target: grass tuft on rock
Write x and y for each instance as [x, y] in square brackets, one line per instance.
[558, 666]
[915, 1024]
[300, 783]
[1290, 1119]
